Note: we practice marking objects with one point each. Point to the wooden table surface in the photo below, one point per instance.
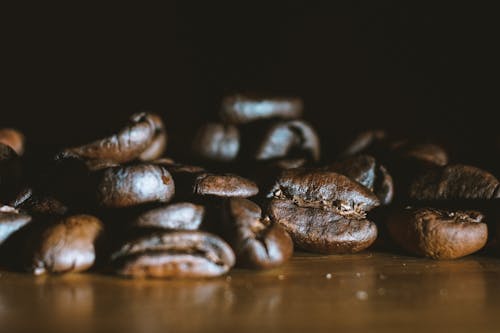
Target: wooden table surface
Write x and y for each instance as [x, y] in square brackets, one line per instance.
[367, 292]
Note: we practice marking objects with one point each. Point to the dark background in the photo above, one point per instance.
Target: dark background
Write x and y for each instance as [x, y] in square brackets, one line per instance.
[421, 70]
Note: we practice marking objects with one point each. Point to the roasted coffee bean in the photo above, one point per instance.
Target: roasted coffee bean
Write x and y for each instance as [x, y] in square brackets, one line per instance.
[242, 109]
[322, 231]
[176, 254]
[365, 170]
[67, 246]
[454, 182]
[10, 173]
[128, 144]
[438, 234]
[36, 204]
[323, 211]
[224, 185]
[11, 221]
[177, 216]
[289, 163]
[257, 242]
[217, 142]
[364, 142]
[132, 185]
[429, 153]
[159, 143]
[289, 139]
[12, 138]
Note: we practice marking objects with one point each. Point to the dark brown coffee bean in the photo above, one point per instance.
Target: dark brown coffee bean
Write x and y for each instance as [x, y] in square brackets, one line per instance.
[289, 139]
[177, 254]
[11, 221]
[429, 153]
[217, 142]
[364, 142]
[323, 211]
[438, 234]
[242, 109]
[324, 189]
[67, 246]
[289, 163]
[454, 182]
[10, 173]
[12, 138]
[159, 143]
[224, 185]
[128, 144]
[322, 231]
[365, 170]
[36, 204]
[257, 242]
[177, 216]
[133, 185]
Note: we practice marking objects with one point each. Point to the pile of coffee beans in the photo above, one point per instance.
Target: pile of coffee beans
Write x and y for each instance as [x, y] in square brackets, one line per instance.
[255, 188]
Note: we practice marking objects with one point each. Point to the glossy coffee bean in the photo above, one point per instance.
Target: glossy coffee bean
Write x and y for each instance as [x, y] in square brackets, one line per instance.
[159, 143]
[126, 145]
[177, 216]
[12, 138]
[365, 170]
[454, 182]
[242, 109]
[323, 211]
[438, 234]
[289, 139]
[133, 185]
[217, 142]
[11, 221]
[224, 185]
[67, 246]
[257, 242]
[322, 231]
[176, 254]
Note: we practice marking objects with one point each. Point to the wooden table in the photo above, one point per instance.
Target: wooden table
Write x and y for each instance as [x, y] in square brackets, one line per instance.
[367, 292]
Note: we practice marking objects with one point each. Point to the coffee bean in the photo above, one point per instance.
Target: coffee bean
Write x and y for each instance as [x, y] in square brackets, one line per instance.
[159, 143]
[289, 139]
[11, 221]
[323, 211]
[10, 173]
[177, 254]
[177, 216]
[217, 142]
[429, 153]
[12, 138]
[454, 182]
[242, 109]
[365, 170]
[132, 185]
[257, 242]
[67, 246]
[438, 234]
[224, 185]
[37, 204]
[128, 144]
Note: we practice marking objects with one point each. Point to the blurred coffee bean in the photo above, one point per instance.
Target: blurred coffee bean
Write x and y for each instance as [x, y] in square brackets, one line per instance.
[37, 204]
[177, 216]
[438, 234]
[12, 138]
[176, 254]
[217, 142]
[242, 109]
[11, 221]
[10, 173]
[365, 170]
[289, 139]
[69, 245]
[454, 182]
[132, 185]
[425, 152]
[224, 185]
[159, 143]
[257, 242]
[323, 211]
[365, 142]
[128, 144]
